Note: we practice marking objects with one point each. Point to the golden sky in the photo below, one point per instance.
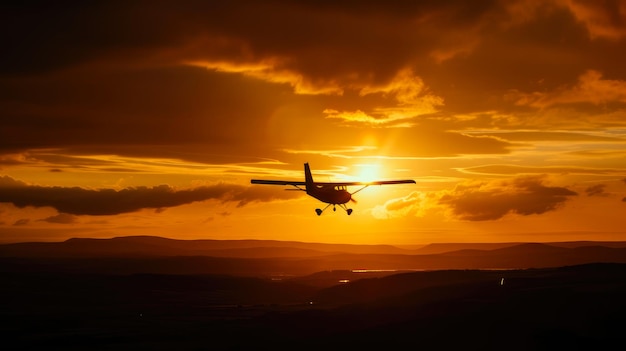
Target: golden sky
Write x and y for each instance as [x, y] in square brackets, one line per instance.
[151, 117]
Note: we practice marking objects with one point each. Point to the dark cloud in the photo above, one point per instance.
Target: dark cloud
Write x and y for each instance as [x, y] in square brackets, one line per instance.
[318, 41]
[596, 190]
[23, 221]
[603, 19]
[161, 106]
[82, 201]
[61, 218]
[110, 78]
[524, 196]
[240, 30]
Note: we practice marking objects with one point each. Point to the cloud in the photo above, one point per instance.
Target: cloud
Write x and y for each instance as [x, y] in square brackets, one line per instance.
[603, 19]
[596, 190]
[507, 169]
[490, 201]
[412, 99]
[23, 221]
[331, 47]
[243, 79]
[61, 218]
[590, 88]
[391, 61]
[413, 204]
[308, 44]
[82, 201]
[550, 136]
[481, 201]
[271, 72]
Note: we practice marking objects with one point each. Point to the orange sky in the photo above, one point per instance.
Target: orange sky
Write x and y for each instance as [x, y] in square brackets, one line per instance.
[151, 117]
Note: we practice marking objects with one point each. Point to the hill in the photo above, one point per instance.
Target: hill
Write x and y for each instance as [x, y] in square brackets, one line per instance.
[142, 246]
[131, 255]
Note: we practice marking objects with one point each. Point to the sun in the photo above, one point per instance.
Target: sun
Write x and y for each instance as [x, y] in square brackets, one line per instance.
[368, 172]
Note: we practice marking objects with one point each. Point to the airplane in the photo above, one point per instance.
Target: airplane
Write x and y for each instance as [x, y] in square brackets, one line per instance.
[332, 193]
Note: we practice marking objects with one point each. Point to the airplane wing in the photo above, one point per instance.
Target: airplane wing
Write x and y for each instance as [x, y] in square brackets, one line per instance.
[276, 182]
[375, 182]
[296, 183]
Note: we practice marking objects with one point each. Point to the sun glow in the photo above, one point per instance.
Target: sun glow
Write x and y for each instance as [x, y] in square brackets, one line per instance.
[368, 172]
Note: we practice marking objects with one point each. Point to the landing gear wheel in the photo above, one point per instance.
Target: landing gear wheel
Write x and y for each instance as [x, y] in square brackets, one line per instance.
[318, 211]
[349, 211]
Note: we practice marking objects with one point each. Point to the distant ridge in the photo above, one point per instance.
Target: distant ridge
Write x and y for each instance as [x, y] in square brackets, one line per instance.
[158, 246]
[147, 254]
[437, 248]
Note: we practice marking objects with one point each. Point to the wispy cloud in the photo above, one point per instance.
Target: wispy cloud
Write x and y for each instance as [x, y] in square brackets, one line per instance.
[411, 98]
[504, 169]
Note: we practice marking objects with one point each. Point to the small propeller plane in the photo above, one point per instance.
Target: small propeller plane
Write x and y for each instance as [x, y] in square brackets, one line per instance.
[332, 193]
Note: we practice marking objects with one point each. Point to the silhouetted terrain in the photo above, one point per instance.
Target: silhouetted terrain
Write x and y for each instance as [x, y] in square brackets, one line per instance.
[131, 255]
[139, 246]
[557, 298]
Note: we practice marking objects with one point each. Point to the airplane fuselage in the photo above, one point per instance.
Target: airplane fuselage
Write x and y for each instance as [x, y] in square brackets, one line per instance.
[329, 194]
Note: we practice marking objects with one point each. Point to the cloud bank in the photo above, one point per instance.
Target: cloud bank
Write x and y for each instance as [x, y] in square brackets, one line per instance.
[490, 201]
[96, 202]
[484, 201]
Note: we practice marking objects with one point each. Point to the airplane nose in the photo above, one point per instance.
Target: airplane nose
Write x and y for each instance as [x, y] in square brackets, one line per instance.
[347, 197]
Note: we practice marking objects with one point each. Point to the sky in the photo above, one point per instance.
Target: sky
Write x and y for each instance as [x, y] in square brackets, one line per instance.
[151, 117]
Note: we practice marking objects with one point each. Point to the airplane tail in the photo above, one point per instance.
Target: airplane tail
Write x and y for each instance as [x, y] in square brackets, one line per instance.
[308, 177]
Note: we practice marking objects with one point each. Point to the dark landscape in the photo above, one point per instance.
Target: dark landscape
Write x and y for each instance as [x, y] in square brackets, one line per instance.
[156, 293]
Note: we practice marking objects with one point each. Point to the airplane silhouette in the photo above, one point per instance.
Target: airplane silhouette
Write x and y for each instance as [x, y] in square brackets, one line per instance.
[332, 193]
